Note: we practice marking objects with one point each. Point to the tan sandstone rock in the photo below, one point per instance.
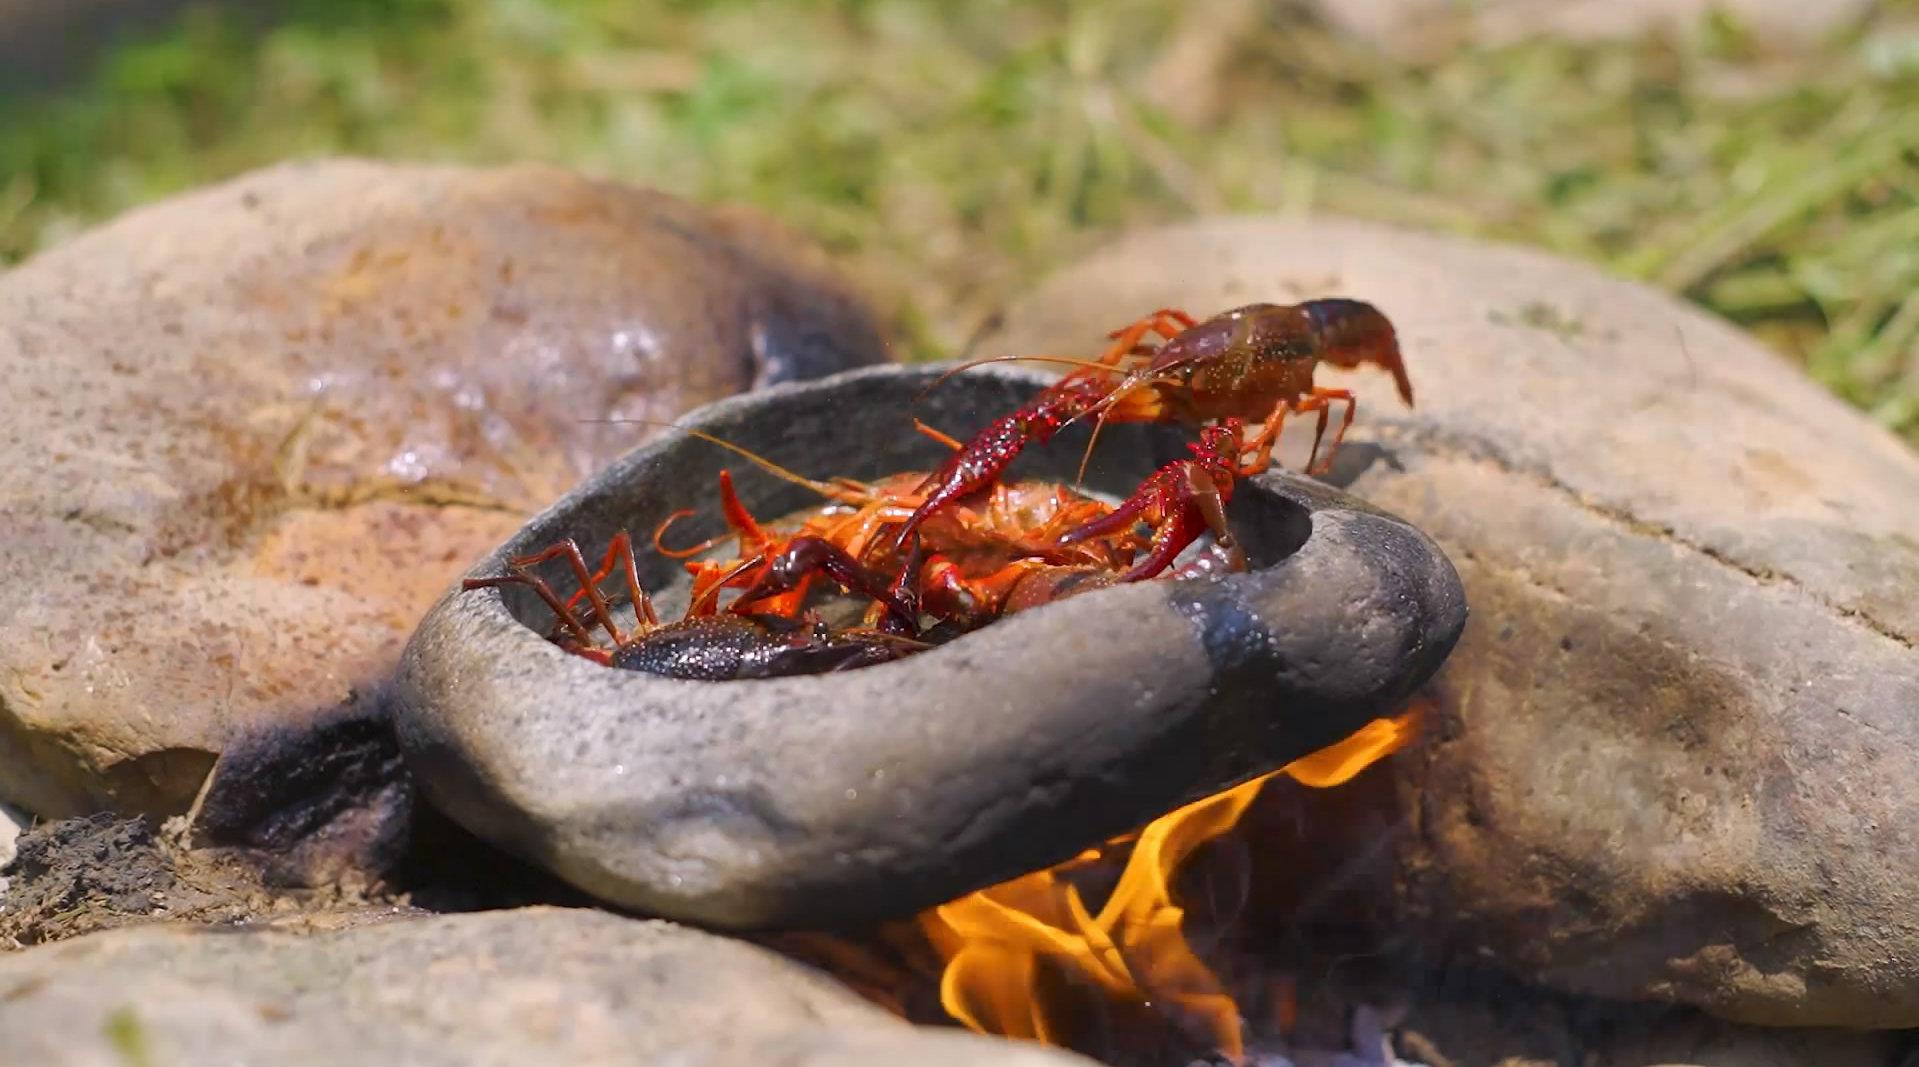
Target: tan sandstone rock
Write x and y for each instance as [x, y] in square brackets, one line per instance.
[507, 988]
[1678, 748]
[251, 432]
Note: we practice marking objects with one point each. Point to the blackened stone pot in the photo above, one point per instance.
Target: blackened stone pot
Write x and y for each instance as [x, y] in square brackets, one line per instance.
[811, 801]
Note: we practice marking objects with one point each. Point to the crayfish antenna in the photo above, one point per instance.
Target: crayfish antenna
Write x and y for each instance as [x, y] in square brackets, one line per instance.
[1062, 361]
[829, 490]
[1100, 412]
[1086, 457]
[659, 538]
[1129, 385]
[739, 522]
[947, 439]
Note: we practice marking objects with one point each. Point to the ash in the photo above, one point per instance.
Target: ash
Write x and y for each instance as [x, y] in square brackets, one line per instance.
[1370, 1046]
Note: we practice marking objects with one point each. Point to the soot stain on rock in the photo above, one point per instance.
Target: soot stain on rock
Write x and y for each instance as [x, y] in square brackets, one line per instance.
[1248, 648]
[314, 803]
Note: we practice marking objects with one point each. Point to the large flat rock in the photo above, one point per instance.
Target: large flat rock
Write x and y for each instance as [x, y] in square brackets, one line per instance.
[253, 431]
[1679, 747]
[513, 988]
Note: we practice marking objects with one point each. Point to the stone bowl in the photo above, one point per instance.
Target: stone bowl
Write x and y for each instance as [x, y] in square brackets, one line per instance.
[817, 801]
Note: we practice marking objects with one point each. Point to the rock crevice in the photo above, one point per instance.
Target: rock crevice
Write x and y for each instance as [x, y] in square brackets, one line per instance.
[1453, 443]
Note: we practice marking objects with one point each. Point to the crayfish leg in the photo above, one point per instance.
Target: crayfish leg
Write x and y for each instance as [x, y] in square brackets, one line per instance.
[1262, 446]
[805, 557]
[569, 550]
[737, 517]
[1167, 322]
[710, 578]
[619, 552]
[1197, 506]
[1118, 520]
[1321, 401]
[939, 435]
[857, 532]
[562, 615]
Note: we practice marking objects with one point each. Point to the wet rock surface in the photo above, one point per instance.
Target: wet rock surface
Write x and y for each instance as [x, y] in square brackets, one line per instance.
[809, 801]
[1678, 754]
[255, 429]
[539, 985]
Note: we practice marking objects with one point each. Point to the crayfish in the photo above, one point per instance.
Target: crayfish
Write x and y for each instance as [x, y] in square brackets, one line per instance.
[1253, 363]
[937, 554]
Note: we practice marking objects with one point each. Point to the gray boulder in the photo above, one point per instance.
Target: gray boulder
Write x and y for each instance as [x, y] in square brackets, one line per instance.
[252, 431]
[1678, 754]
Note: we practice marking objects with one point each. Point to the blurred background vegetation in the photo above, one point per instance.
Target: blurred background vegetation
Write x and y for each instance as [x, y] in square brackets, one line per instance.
[953, 152]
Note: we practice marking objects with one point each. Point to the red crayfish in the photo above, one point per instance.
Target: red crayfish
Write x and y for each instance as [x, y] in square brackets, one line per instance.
[1253, 363]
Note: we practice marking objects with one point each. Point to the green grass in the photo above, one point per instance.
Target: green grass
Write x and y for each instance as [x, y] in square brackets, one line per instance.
[954, 152]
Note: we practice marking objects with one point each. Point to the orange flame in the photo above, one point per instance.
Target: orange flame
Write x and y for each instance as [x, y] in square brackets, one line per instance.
[996, 942]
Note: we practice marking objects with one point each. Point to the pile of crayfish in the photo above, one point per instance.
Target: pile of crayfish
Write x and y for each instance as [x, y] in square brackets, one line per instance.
[937, 554]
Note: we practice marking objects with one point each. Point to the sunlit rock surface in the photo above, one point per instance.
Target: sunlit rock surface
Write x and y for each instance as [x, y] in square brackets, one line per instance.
[506, 988]
[252, 432]
[1678, 749]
